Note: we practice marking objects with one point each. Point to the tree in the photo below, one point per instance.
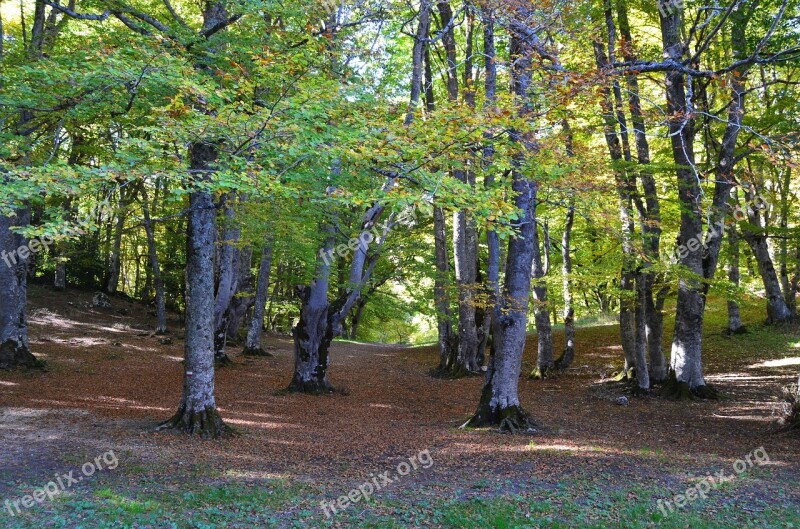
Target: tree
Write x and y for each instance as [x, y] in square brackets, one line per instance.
[566, 358]
[14, 351]
[499, 403]
[152, 253]
[252, 345]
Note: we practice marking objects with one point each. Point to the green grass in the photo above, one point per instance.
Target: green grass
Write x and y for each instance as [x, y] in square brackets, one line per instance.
[586, 503]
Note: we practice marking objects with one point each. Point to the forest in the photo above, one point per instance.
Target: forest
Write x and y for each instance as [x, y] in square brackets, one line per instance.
[399, 263]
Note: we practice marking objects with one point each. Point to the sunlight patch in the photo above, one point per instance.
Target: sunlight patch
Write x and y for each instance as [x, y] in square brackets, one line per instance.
[781, 362]
[255, 474]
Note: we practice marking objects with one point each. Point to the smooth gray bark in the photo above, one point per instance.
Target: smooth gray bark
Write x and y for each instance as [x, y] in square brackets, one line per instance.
[447, 338]
[243, 298]
[625, 190]
[418, 58]
[464, 236]
[686, 365]
[755, 234]
[227, 264]
[321, 321]
[735, 325]
[544, 332]
[252, 345]
[566, 358]
[114, 264]
[464, 257]
[313, 333]
[197, 412]
[355, 320]
[492, 314]
[155, 266]
[642, 374]
[789, 290]
[499, 403]
[650, 210]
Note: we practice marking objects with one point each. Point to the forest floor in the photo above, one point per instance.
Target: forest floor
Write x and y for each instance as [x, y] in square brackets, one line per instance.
[591, 463]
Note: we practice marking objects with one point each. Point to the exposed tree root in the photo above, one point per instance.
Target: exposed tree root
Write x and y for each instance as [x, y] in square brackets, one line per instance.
[791, 419]
[735, 332]
[627, 384]
[658, 377]
[677, 390]
[309, 387]
[452, 373]
[791, 422]
[563, 362]
[509, 420]
[207, 423]
[12, 356]
[255, 351]
[222, 360]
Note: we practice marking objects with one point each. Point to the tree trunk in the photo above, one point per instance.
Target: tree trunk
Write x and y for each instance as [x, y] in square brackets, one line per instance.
[464, 236]
[114, 265]
[356, 319]
[158, 282]
[421, 66]
[228, 262]
[483, 319]
[756, 236]
[252, 345]
[14, 351]
[566, 358]
[14, 249]
[313, 335]
[197, 412]
[789, 293]
[642, 374]
[499, 403]
[492, 314]
[243, 298]
[777, 311]
[735, 325]
[60, 276]
[655, 329]
[650, 213]
[418, 58]
[544, 331]
[447, 338]
[466, 361]
[686, 365]
[321, 321]
[625, 190]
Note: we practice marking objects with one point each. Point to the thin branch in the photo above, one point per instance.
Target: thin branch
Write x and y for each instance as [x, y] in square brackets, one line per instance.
[175, 14]
[80, 16]
[220, 26]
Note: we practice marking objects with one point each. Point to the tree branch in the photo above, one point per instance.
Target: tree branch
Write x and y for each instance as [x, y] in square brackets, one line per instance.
[220, 26]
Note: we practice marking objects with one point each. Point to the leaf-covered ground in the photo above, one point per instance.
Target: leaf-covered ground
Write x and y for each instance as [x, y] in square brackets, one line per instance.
[592, 463]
